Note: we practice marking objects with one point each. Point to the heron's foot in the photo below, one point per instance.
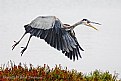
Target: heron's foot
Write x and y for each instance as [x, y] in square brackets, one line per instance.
[24, 48]
[15, 44]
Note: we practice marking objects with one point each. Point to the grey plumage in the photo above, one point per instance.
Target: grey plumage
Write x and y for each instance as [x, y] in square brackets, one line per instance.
[56, 34]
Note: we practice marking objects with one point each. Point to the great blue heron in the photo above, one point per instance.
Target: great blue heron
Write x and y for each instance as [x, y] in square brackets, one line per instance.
[56, 34]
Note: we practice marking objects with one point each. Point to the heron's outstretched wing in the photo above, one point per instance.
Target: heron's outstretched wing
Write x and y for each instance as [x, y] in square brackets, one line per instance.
[54, 34]
[43, 22]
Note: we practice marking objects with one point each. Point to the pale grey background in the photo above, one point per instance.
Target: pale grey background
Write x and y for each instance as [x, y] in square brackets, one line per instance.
[102, 48]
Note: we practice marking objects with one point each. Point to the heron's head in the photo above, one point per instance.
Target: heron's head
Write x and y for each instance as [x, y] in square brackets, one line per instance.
[88, 23]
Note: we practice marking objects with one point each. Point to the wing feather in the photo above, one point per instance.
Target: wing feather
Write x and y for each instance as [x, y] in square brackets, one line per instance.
[55, 41]
[34, 32]
[47, 39]
[58, 42]
[74, 54]
[52, 40]
[65, 44]
[39, 33]
[51, 36]
[68, 43]
[46, 34]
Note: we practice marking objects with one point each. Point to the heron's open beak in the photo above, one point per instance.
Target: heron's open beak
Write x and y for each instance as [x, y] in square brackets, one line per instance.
[87, 24]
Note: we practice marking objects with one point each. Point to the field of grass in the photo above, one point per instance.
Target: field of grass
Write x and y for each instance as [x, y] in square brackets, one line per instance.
[20, 72]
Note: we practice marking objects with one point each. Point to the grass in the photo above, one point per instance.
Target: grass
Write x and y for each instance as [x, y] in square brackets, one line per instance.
[12, 72]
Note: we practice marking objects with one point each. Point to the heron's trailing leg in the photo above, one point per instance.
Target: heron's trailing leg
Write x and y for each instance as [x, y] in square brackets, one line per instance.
[24, 48]
[18, 41]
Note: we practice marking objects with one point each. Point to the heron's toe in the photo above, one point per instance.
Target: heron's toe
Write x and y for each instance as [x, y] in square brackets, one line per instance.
[15, 44]
[24, 48]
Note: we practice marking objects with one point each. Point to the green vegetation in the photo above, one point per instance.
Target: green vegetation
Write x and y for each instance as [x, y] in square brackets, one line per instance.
[20, 72]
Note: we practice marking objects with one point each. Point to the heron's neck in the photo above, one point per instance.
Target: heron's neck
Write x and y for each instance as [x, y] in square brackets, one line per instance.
[72, 26]
[76, 24]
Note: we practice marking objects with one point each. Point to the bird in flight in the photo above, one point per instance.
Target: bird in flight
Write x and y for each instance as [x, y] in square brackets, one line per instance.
[56, 34]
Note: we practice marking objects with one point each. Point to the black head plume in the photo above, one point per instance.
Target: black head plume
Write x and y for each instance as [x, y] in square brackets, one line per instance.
[86, 20]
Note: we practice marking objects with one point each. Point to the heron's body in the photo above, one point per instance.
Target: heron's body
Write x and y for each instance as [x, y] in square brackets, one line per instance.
[51, 30]
[58, 35]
